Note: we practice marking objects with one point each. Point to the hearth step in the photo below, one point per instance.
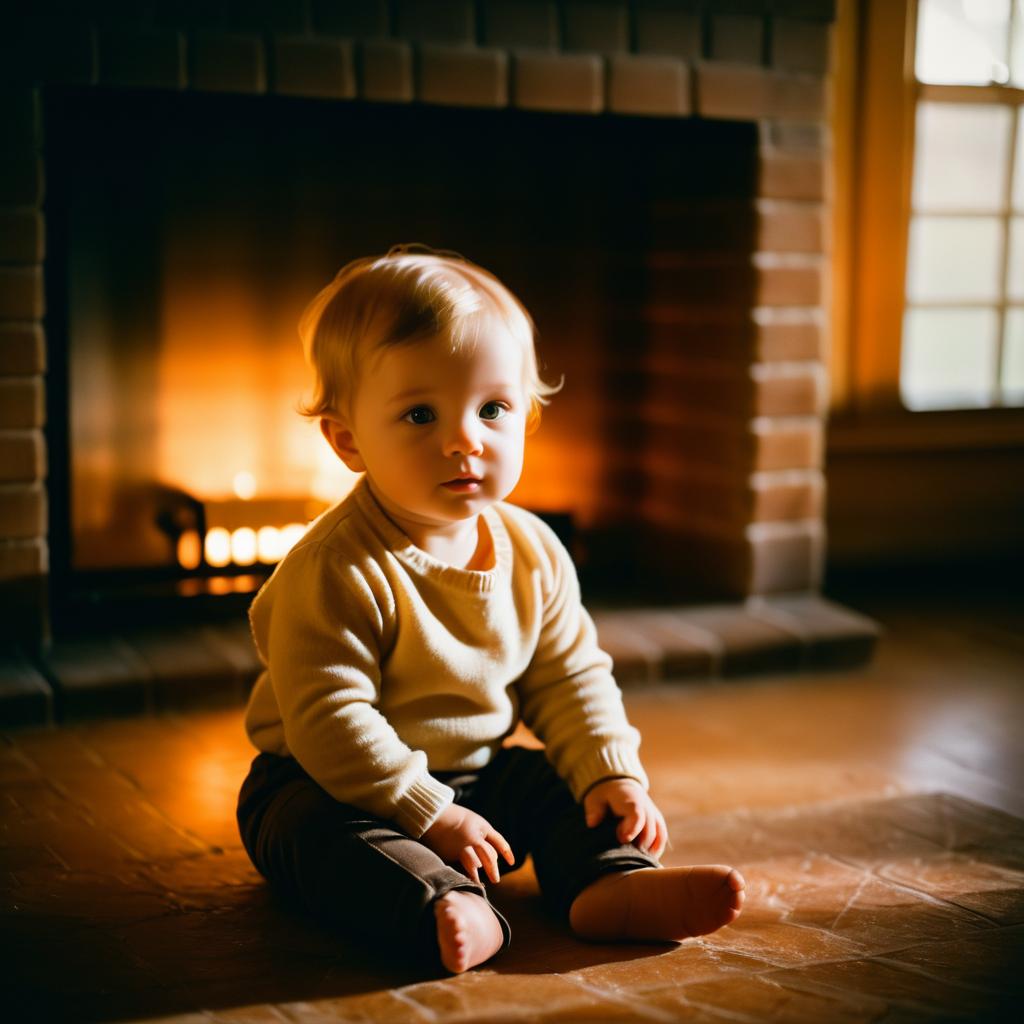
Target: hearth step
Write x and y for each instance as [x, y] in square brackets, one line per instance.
[168, 670]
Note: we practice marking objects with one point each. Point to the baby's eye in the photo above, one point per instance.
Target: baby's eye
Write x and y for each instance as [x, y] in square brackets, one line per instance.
[419, 415]
[493, 410]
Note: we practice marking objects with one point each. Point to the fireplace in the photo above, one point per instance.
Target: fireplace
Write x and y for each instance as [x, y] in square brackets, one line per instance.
[191, 250]
[649, 177]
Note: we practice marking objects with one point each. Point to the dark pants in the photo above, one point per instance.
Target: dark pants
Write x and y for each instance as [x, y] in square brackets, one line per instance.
[360, 873]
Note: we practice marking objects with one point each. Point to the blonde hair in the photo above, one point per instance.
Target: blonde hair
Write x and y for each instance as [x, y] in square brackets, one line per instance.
[410, 294]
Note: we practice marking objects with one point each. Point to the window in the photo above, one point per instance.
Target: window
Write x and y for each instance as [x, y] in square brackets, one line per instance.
[963, 320]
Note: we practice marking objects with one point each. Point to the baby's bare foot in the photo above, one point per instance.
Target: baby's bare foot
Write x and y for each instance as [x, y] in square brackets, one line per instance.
[468, 933]
[658, 903]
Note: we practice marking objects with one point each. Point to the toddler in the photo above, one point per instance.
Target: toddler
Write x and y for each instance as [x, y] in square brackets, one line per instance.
[412, 628]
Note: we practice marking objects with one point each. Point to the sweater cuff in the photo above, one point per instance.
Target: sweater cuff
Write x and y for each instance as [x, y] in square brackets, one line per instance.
[420, 804]
[614, 760]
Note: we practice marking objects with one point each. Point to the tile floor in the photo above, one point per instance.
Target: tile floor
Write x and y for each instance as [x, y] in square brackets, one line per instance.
[876, 813]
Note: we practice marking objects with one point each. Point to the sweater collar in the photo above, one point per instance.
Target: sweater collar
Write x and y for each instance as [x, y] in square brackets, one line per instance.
[399, 544]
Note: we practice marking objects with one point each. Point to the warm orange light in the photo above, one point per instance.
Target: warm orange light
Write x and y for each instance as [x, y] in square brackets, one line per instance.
[243, 546]
[190, 550]
[218, 547]
[244, 485]
[269, 544]
[291, 535]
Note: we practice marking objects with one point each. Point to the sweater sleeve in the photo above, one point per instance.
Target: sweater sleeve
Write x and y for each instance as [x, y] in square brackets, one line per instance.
[568, 696]
[320, 635]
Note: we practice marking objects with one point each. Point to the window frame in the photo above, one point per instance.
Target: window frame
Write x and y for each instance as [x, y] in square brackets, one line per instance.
[875, 96]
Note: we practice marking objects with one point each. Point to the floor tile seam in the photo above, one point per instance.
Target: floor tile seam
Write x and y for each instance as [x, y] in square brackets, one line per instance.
[926, 897]
[202, 846]
[619, 996]
[797, 982]
[890, 1001]
[906, 968]
[780, 965]
[426, 1014]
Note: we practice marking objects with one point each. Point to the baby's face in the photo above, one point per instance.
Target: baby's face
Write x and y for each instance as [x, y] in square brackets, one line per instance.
[441, 433]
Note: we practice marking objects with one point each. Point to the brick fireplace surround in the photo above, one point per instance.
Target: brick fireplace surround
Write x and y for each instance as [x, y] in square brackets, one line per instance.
[758, 392]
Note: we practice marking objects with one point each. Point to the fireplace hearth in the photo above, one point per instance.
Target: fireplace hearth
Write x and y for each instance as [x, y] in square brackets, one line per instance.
[652, 182]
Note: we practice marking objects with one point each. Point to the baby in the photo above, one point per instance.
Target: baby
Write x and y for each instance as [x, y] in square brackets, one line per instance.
[412, 628]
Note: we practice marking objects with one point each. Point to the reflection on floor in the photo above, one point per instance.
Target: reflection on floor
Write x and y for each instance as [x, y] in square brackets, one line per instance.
[876, 815]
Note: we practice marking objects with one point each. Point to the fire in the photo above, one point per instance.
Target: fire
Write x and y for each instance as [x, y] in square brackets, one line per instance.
[242, 546]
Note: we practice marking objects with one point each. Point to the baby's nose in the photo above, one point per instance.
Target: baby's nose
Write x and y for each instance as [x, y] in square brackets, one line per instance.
[464, 440]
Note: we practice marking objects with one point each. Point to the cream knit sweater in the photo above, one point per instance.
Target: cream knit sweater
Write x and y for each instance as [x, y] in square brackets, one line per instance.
[383, 663]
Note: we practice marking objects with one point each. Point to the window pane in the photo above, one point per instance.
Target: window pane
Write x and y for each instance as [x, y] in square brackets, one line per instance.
[1015, 284]
[954, 259]
[963, 41]
[948, 358]
[1017, 51]
[1018, 158]
[961, 156]
[1013, 358]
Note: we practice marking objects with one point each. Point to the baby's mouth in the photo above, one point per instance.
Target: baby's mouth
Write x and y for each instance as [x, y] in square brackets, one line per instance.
[462, 483]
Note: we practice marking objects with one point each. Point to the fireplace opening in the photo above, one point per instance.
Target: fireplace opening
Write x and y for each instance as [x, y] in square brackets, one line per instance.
[186, 232]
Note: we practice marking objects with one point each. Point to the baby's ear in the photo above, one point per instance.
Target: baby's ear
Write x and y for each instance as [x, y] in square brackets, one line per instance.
[343, 441]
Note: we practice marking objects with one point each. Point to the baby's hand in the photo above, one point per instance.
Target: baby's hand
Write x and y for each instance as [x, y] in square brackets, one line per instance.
[641, 820]
[459, 836]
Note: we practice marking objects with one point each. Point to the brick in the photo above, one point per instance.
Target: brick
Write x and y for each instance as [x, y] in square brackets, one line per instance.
[636, 658]
[21, 293]
[788, 334]
[142, 58]
[788, 280]
[221, 62]
[521, 24]
[22, 455]
[742, 92]
[21, 559]
[21, 178]
[438, 21]
[386, 71]
[786, 556]
[22, 235]
[596, 26]
[738, 38]
[102, 676]
[794, 136]
[314, 67]
[356, 19]
[286, 16]
[747, 643]
[686, 651]
[832, 636]
[23, 511]
[702, 281]
[22, 402]
[711, 437]
[787, 495]
[25, 696]
[463, 77]
[558, 82]
[790, 227]
[21, 116]
[670, 28]
[704, 492]
[787, 176]
[187, 670]
[22, 349]
[796, 442]
[801, 45]
[648, 85]
[789, 389]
